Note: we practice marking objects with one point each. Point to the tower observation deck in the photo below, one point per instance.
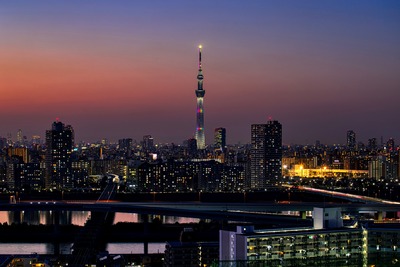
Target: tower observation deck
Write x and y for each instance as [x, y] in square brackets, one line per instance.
[200, 138]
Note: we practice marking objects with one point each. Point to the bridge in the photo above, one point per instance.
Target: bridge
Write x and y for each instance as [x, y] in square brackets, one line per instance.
[207, 210]
[224, 211]
[345, 196]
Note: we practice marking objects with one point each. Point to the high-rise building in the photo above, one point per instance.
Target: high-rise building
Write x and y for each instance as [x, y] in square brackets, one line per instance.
[148, 142]
[220, 138]
[125, 146]
[351, 139]
[19, 138]
[191, 147]
[59, 145]
[201, 142]
[266, 154]
[376, 168]
[21, 152]
[372, 144]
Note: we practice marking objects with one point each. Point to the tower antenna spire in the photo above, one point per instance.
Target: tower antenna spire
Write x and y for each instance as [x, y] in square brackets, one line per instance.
[200, 47]
[200, 108]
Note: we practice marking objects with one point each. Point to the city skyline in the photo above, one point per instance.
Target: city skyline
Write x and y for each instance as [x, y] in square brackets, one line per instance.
[124, 69]
[40, 139]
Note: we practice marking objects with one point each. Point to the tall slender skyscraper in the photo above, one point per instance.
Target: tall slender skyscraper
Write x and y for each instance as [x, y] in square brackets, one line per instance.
[201, 140]
[59, 145]
[351, 139]
[19, 138]
[266, 154]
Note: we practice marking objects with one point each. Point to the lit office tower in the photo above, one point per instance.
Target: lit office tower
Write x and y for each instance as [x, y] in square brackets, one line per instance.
[59, 145]
[220, 138]
[20, 152]
[351, 139]
[201, 142]
[19, 138]
[266, 154]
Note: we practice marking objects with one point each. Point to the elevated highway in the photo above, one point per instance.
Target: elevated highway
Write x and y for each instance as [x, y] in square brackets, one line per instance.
[345, 196]
[259, 211]
[231, 211]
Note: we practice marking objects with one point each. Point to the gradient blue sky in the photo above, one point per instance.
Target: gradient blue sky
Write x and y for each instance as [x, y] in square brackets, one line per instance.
[118, 69]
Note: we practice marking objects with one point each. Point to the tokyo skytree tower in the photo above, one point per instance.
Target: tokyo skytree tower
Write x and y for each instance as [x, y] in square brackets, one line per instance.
[200, 138]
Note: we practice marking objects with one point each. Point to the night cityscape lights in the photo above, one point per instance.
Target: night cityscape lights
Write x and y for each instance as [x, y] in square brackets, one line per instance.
[129, 177]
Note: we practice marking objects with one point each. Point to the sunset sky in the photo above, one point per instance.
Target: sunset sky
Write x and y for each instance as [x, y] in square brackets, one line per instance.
[119, 69]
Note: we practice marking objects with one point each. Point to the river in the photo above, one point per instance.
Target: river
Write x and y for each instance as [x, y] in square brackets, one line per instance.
[79, 218]
[47, 248]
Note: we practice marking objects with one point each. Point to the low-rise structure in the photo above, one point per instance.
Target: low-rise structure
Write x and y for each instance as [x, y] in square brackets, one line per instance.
[190, 254]
[328, 243]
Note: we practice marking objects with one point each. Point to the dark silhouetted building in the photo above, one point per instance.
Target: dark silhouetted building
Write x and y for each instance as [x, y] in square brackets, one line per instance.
[191, 147]
[372, 144]
[148, 143]
[266, 154]
[351, 140]
[125, 147]
[59, 145]
[184, 254]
